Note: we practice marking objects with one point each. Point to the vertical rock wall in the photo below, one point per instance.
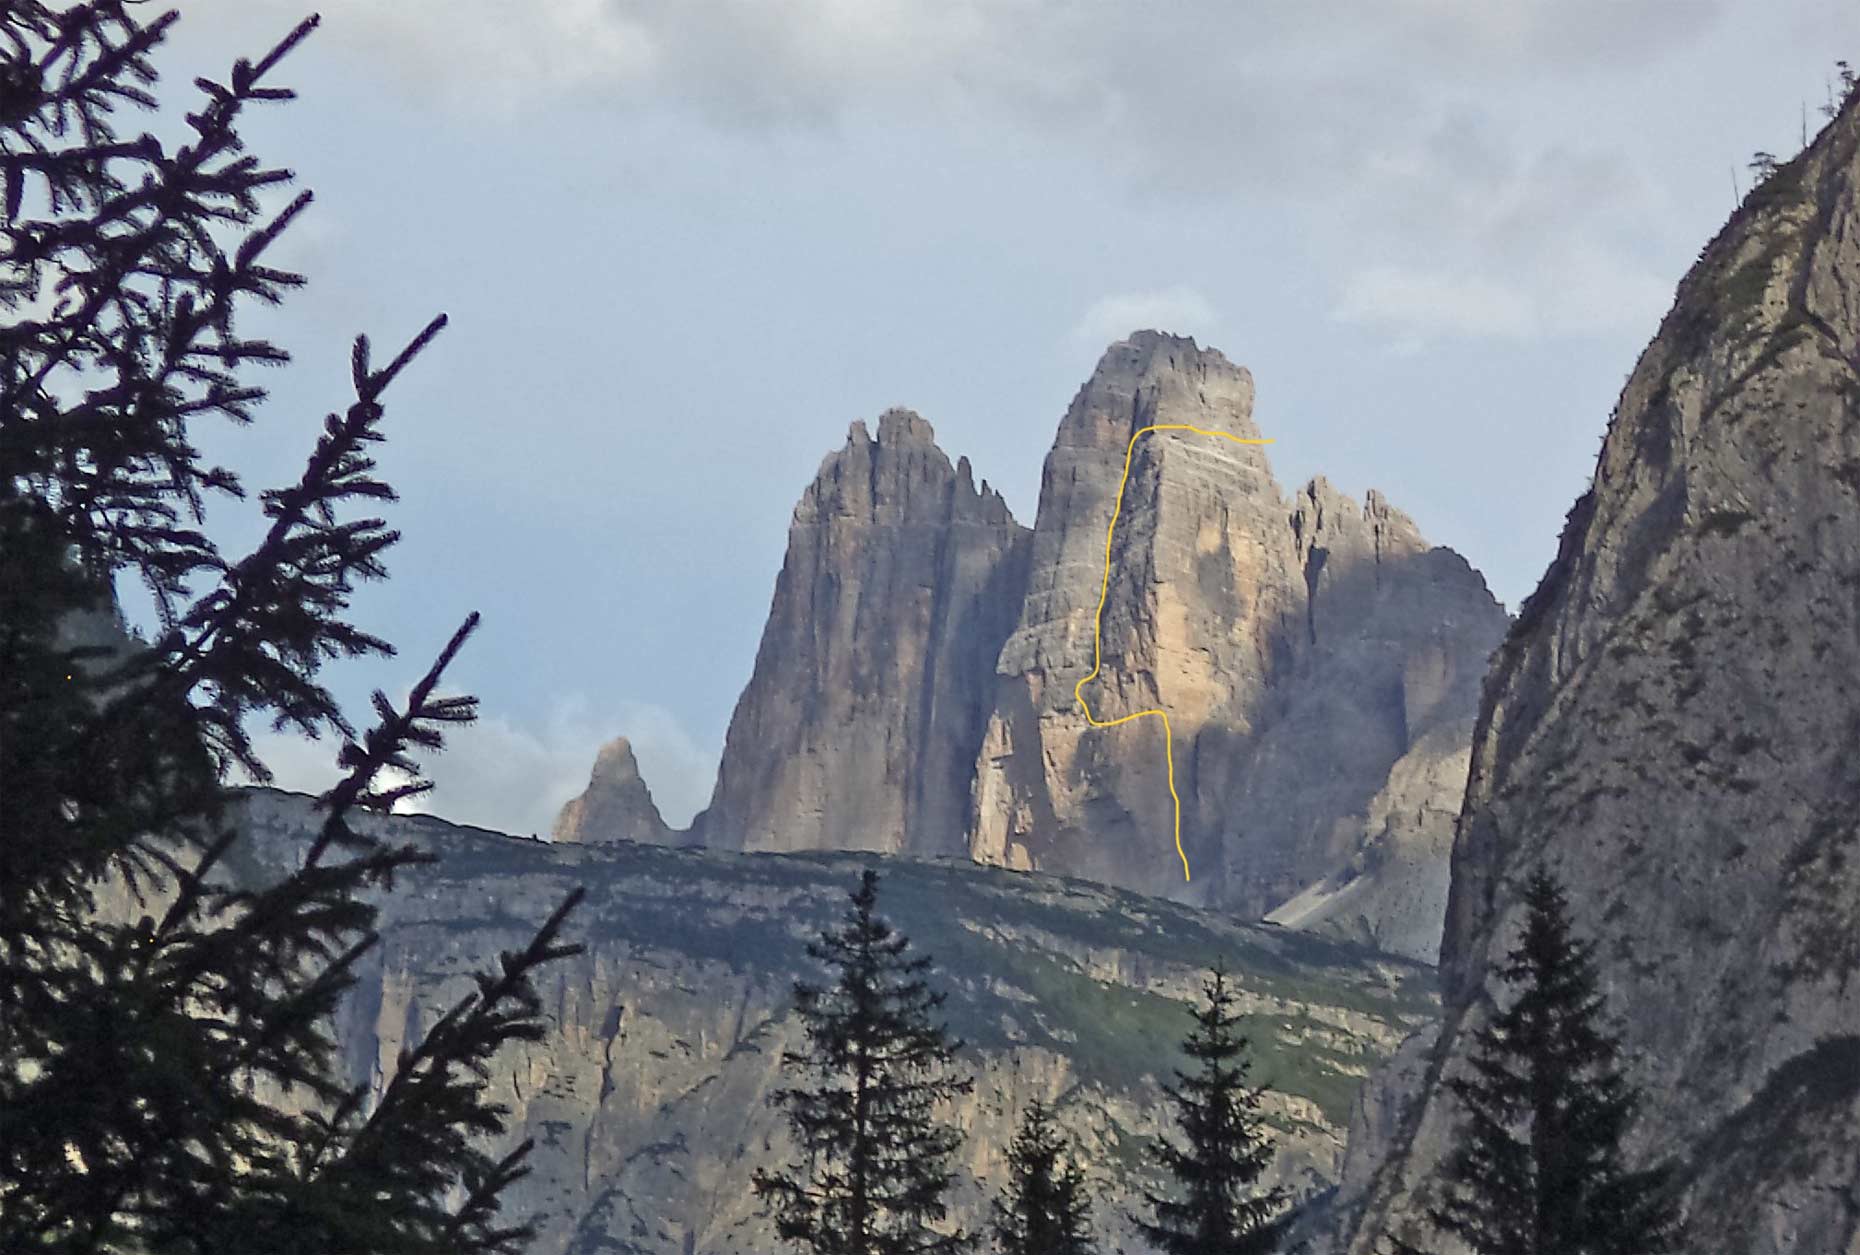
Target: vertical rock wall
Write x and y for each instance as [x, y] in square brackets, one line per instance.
[1670, 728]
[861, 720]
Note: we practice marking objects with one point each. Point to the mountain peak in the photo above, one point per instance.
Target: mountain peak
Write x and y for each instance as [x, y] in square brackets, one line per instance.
[902, 477]
[1215, 596]
[900, 425]
[615, 762]
[1152, 378]
[616, 806]
[862, 716]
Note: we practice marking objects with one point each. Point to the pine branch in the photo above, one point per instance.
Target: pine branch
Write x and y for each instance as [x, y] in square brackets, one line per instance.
[223, 992]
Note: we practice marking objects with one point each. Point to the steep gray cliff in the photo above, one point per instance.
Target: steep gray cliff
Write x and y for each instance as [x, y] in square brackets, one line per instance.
[860, 722]
[648, 1100]
[1670, 728]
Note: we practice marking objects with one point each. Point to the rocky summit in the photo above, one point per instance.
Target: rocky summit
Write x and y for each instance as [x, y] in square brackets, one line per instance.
[1318, 660]
[617, 805]
[1670, 728]
[859, 725]
[648, 1097]
[913, 692]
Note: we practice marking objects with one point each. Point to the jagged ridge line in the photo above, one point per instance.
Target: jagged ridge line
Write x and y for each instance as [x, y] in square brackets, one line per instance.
[1097, 621]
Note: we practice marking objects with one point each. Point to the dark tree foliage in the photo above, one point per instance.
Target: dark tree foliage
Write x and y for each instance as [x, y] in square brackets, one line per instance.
[169, 1077]
[1840, 89]
[1537, 1168]
[874, 1162]
[1217, 1207]
[1044, 1210]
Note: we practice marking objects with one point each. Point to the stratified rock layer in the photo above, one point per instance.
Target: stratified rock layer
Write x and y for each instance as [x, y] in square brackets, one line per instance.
[648, 1098]
[1670, 728]
[617, 805]
[1302, 649]
[859, 727]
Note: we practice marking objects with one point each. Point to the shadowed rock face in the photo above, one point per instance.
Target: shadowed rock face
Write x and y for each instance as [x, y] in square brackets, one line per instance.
[860, 723]
[1318, 660]
[1671, 727]
[1303, 649]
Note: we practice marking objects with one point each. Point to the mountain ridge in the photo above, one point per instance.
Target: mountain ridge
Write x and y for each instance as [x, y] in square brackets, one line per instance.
[913, 690]
[648, 1098]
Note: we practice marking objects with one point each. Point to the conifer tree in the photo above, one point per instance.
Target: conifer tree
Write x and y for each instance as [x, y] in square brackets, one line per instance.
[1218, 1207]
[874, 1163]
[169, 1076]
[1537, 1166]
[1044, 1209]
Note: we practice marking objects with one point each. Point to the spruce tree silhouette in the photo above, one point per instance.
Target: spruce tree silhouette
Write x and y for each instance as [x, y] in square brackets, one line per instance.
[1044, 1209]
[874, 1163]
[173, 1084]
[1218, 1208]
[1537, 1166]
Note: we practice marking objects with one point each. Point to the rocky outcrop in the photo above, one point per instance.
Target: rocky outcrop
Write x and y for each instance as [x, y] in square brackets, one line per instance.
[1302, 648]
[1318, 661]
[648, 1098]
[1670, 729]
[860, 723]
[617, 805]
[1392, 892]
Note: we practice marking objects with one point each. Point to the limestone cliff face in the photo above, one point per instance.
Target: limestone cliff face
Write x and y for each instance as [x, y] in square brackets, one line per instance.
[1671, 727]
[617, 805]
[648, 1099]
[913, 692]
[1191, 578]
[860, 723]
[1303, 648]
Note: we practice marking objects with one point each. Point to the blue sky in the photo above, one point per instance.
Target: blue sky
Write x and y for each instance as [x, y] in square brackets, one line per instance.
[684, 243]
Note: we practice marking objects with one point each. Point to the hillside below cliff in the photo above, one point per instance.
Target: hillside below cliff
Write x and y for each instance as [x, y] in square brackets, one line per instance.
[648, 1100]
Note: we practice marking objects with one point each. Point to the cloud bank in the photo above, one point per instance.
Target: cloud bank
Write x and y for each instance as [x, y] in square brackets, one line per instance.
[1395, 131]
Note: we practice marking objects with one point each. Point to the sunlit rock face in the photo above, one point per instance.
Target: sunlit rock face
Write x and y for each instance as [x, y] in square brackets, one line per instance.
[1318, 660]
[1670, 728]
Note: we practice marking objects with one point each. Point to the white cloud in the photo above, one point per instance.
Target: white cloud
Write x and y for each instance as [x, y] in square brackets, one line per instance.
[1584, 291]
[512, 778]
[1463, 232]
[1418, 304]
[1589, 289]
[1180, 310]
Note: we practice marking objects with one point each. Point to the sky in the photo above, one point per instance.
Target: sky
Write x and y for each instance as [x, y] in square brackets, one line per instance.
[682, 244]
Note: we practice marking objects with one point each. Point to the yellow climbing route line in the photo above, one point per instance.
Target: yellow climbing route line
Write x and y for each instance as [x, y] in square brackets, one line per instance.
[1097, 644]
